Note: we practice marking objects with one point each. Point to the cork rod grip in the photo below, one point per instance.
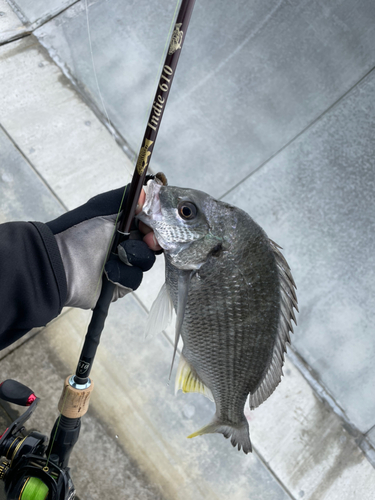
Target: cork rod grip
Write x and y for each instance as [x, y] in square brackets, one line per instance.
[74, 403]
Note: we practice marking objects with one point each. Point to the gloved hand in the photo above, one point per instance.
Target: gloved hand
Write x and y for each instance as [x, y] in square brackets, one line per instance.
[83, 236]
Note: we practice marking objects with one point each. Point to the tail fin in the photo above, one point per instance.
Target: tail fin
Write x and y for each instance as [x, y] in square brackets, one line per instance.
[239, 433]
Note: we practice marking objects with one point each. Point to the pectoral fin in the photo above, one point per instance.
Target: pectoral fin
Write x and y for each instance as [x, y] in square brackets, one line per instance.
[161, 312]
[183, 290]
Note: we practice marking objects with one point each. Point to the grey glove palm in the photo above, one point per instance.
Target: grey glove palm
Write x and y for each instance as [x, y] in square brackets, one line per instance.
[83, 236]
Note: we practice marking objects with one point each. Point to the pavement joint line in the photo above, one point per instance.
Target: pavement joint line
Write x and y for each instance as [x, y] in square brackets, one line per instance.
[37, 173]
[39, 22]
[16, 37]
[24, 342]
[253, 34]
[6, 407]
[264, 462]
[362, 440]
[18, 11]
[323, 394]
[37, 331]
[310, 125]
[118, 137]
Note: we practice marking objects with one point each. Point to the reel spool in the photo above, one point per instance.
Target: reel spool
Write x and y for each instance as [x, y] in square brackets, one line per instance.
[26, 471]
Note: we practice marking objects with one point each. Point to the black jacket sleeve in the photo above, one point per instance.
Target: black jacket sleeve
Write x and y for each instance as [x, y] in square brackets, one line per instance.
[33, 286]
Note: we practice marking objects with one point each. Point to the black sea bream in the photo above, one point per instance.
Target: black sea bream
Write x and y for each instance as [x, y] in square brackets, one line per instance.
[234, 295]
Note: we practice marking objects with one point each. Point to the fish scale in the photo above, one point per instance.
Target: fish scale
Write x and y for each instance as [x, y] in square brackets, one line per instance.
[224, 376]
[234, 297]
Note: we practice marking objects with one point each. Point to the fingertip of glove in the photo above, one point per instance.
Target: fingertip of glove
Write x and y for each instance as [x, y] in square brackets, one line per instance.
[127, 276]
[137, 253]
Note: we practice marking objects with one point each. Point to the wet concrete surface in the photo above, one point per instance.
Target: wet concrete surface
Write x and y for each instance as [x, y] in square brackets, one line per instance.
[252, 75]
[316, 200]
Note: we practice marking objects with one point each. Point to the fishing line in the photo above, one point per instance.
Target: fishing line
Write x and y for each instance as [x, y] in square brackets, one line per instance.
[162, 59]
[147, 112]
[111, 127]
[57, 428]
[93, 65]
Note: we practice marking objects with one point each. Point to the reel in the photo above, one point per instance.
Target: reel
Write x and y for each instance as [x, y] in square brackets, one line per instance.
[29, 468]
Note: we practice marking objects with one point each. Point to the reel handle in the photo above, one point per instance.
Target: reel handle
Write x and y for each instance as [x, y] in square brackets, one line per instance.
[17, 393]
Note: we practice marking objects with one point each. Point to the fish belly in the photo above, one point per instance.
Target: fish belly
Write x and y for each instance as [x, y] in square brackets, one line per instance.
[228, 335]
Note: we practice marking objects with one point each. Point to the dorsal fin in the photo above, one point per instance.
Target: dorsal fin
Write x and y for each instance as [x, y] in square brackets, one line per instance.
[188, 381]
[288, 301]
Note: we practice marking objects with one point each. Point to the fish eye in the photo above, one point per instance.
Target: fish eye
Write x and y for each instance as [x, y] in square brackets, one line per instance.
[187, 210]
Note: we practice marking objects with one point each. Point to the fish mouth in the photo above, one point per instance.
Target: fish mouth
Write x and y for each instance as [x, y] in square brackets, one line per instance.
[151, 210]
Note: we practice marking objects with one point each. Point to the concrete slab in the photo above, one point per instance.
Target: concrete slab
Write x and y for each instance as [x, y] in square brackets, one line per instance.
[252, 75]
[39, 10]
[297, 439]
[306, 445]
[4, 420]
[61, 136]
[10, 26]
[300, 440]
[316, 199]
[133, 402]
[4, 423]
[371, 436]
[120, 478]
[23, 194]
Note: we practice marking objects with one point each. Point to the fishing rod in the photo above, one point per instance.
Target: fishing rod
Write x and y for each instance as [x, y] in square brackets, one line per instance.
[33, 469]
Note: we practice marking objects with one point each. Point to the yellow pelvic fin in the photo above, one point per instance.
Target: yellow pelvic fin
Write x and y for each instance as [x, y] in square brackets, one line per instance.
[188, 381]
[239, 433]
[195, 434]
[207, 429]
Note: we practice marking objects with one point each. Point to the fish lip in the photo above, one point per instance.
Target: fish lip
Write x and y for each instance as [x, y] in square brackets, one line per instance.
[151, 213]
[151, 210]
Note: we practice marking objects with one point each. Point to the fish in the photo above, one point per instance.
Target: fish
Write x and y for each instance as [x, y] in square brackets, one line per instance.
[234, 298]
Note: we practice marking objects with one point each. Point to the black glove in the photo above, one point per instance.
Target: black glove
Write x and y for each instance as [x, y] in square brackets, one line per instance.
[83, 236]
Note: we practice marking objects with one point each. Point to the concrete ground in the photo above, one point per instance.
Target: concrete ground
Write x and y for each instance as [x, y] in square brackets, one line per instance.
[283, 94]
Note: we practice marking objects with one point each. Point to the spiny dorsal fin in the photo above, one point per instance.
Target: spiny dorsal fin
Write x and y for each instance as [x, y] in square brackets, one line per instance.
[288, 301]
[188, 381]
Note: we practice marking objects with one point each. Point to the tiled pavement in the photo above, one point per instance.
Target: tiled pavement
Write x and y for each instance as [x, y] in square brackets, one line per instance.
[289, 87]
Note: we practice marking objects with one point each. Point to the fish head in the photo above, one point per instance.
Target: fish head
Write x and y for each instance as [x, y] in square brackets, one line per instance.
[180, 219]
